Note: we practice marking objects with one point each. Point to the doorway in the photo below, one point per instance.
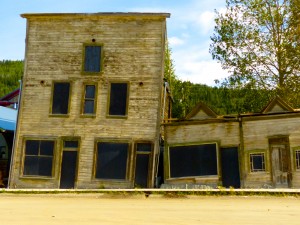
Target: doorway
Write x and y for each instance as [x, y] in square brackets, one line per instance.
[280, 162]
[143, 164]
[230, 167]
[69, 165]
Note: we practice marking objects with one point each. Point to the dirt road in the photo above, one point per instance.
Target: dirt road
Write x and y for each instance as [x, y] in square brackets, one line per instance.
[90, 209]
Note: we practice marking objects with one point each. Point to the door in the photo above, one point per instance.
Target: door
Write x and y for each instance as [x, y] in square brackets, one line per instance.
[280, 166]
[68, 169]
[141, 170]
[230, 167]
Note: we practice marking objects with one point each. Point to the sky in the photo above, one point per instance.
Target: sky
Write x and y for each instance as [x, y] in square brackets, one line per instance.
[188, 29]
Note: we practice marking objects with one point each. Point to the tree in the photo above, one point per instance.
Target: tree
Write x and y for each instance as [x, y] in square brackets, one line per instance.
[10, 74]
[258, 42]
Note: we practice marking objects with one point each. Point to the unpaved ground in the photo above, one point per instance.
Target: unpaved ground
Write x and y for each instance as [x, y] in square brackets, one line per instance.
[90, 209]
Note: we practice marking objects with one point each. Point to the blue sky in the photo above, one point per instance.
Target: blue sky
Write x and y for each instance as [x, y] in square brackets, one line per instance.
[189, 28]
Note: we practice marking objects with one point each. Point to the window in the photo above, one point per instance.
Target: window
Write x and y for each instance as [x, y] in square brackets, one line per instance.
[193, 160]
[92, 58]
[118, 99]
[89, 101]
[38, 158]
[257, 162]
[60, 98]
[297, 152]
[111, 160]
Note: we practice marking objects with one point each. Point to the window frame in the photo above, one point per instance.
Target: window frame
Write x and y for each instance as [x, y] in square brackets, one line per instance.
[128, 163]
[109, 98]
[22, 175]
[151, 156]
[52, 96]
[168, 172]
[297, 159]
[83, 114]
[264, 162]
[101, 45]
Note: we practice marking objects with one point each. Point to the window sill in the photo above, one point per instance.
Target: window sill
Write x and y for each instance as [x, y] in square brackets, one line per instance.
[91, 73]
[59, 115]
[88, 115]
[116, 117]
[36, 177]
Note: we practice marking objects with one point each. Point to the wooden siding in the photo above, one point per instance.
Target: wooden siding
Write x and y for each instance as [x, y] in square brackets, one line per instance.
[133, 48]
[256, 137]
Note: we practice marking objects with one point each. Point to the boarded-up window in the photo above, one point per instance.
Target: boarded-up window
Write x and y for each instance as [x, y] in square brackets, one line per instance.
[193, 160]
[92, 59]
[257, 162]
[89, 99]
[118, 99]
[111, 160]
[60, 98]
[38, 157]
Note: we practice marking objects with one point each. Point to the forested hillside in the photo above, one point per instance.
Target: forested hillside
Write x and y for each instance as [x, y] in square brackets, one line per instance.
[10, 74]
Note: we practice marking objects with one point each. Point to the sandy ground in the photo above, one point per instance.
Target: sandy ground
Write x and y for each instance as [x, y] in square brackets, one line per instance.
[63, 209]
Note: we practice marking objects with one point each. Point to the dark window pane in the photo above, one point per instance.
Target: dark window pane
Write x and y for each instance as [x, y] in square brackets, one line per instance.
[257, 162]
[32, 147]
[60, 101]
[71, 144]
[92, 59]
[118, 99]
[45, 166]
[46, 148]
[90, 91]
[31, 165]
[89, 106]
[111, 160]
[193, 160]
[144, 147]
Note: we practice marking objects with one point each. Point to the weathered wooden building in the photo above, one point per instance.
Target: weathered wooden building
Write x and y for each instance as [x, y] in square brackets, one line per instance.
[249, 151]
[96, 84]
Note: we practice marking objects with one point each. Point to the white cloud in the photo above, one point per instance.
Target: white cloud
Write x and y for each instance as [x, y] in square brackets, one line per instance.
[175, 41]
[195, 64]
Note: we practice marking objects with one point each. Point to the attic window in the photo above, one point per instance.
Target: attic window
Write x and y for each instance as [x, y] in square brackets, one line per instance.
[92, 58]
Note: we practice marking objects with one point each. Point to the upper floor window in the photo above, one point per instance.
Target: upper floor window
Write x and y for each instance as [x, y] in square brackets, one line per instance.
[297, 158]
[89, 101]
[60, 98]
[92, 58]
[118, 99]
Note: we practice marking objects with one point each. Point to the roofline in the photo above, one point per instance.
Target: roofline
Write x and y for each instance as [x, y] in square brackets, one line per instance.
[10, 95]
[158, 14]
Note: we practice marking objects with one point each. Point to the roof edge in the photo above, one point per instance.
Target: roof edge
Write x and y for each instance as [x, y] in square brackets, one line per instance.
[160, 14]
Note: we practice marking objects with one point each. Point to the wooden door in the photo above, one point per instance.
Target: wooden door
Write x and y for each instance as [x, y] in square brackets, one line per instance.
[68, 169]
[230, 167]
[280, 165]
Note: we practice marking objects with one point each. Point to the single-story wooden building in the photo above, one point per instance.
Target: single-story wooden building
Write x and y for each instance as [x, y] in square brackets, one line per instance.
[252, 150]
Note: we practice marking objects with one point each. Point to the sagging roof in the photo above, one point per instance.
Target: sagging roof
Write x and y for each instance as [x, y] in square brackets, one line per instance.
[5, 100]
[8, 118]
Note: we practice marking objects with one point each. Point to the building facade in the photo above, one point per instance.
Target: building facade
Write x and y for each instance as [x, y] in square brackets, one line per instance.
[90, 109]
[255, 150]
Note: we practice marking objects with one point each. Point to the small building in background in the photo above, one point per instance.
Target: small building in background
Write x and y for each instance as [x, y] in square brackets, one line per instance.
[8, 119]
[255, 150]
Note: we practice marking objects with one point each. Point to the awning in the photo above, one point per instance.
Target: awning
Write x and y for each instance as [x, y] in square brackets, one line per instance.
[8, 118]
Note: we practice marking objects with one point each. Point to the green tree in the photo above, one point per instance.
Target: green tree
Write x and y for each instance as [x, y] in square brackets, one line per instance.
[10, 74]
[258, 42]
